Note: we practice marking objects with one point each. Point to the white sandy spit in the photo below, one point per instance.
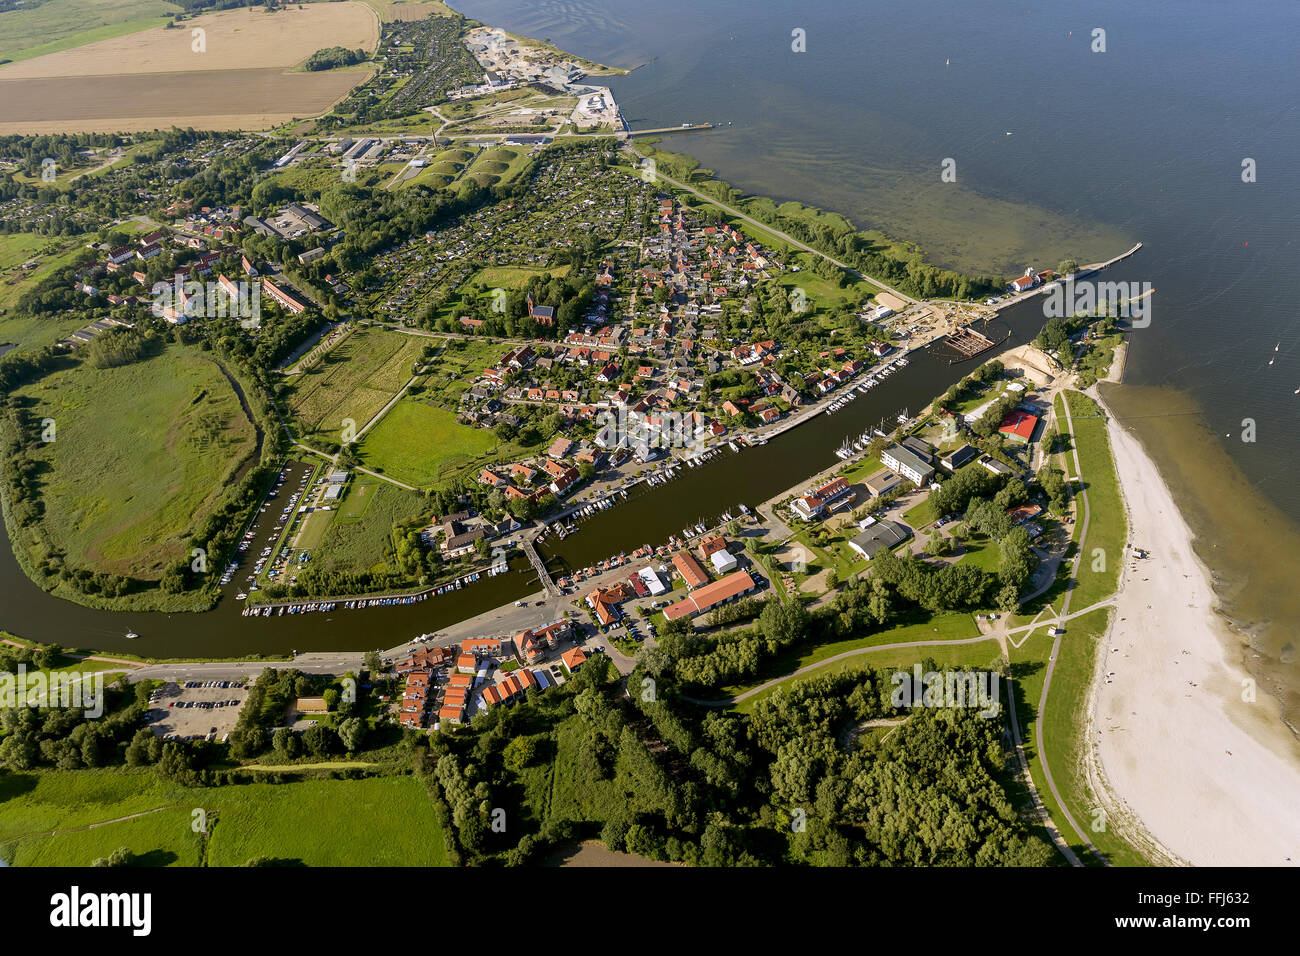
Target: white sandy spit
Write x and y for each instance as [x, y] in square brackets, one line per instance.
[1213, 778]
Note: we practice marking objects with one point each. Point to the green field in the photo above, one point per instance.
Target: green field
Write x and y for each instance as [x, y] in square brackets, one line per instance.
[1108, 523]
[353, 381]
[982, 654]
[455, 367]
[514, 277]
[360, 536]
[63, 24]
[142, 453]
[942, 627]
[421, 445]
[381, 821]
[575, 795]
[384, 821]
[50, 253]
[1065, 728]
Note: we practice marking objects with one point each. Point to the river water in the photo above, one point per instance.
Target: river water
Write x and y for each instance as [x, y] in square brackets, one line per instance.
[650, 516]
[1060, 151]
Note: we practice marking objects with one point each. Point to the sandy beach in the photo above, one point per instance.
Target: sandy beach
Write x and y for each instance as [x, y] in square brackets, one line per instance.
[1210, 776]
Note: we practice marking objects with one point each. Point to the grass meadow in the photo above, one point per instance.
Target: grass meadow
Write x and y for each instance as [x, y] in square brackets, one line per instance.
[421, 445]
[62, 818]
[982, 654]
[63, 24]
[360, 536]
[174, 411]
[1065, 729]
[1098, 574]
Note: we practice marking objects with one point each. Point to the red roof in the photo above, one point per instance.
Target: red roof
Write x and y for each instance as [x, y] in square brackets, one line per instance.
[690, 570]
[1018, 423]
[711, 595]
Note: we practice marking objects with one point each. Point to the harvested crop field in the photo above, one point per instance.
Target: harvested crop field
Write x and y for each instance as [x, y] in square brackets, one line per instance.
[129, 104]
[153, 79]
[232, 39]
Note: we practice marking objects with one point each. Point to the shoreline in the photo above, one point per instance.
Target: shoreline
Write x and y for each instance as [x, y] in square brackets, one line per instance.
[1220, 796]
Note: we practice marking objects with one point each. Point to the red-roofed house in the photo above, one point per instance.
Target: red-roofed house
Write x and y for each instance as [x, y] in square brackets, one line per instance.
[711, 595]
[690, 570]
[1018, 425]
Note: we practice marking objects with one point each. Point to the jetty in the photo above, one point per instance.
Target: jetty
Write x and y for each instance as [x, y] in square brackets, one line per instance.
[1083, 273]
[1098, 266]
[539, 566]
[684, 128]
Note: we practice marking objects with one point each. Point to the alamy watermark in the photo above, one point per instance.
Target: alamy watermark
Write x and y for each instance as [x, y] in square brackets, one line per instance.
[182, 301]
[55, 689]
[946, 689]
[1130, 300]
[660, 430]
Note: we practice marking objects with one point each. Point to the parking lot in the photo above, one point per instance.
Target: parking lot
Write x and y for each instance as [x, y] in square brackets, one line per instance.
[195, 710]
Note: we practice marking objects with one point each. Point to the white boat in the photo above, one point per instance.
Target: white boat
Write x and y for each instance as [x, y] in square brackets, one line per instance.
[131, 635]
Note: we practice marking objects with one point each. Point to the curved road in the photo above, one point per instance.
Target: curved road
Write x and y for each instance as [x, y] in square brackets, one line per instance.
[1056, 644]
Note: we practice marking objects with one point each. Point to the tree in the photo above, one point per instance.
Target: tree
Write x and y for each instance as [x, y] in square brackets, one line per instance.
[122, 856]
[286, 742]
[318, 740]
[520, 752]
[939, 543]
[782, 623]
[18, 751]
[138, 751]
[1052, 481]
[352, 733]
[47, 656]
[614, 834]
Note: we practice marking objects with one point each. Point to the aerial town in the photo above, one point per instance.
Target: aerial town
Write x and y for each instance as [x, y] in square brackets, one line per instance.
[427, 462]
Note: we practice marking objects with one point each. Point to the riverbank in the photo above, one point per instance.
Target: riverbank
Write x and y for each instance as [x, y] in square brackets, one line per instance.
[1208, 767]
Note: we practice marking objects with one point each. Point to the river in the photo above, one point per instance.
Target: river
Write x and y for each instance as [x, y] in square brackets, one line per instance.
[650, 516]
[1067, 142]
[1060, 149]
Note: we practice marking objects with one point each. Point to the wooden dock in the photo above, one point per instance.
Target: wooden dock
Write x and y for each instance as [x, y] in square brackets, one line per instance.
[666, 129]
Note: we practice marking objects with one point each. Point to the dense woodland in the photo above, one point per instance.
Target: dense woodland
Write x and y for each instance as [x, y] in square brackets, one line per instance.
[652, 774]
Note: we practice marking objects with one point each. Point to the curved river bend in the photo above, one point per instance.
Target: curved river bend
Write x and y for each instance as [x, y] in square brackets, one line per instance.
[704, 493]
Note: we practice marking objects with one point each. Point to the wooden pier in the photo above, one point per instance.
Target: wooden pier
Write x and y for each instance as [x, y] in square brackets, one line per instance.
[664, 130]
